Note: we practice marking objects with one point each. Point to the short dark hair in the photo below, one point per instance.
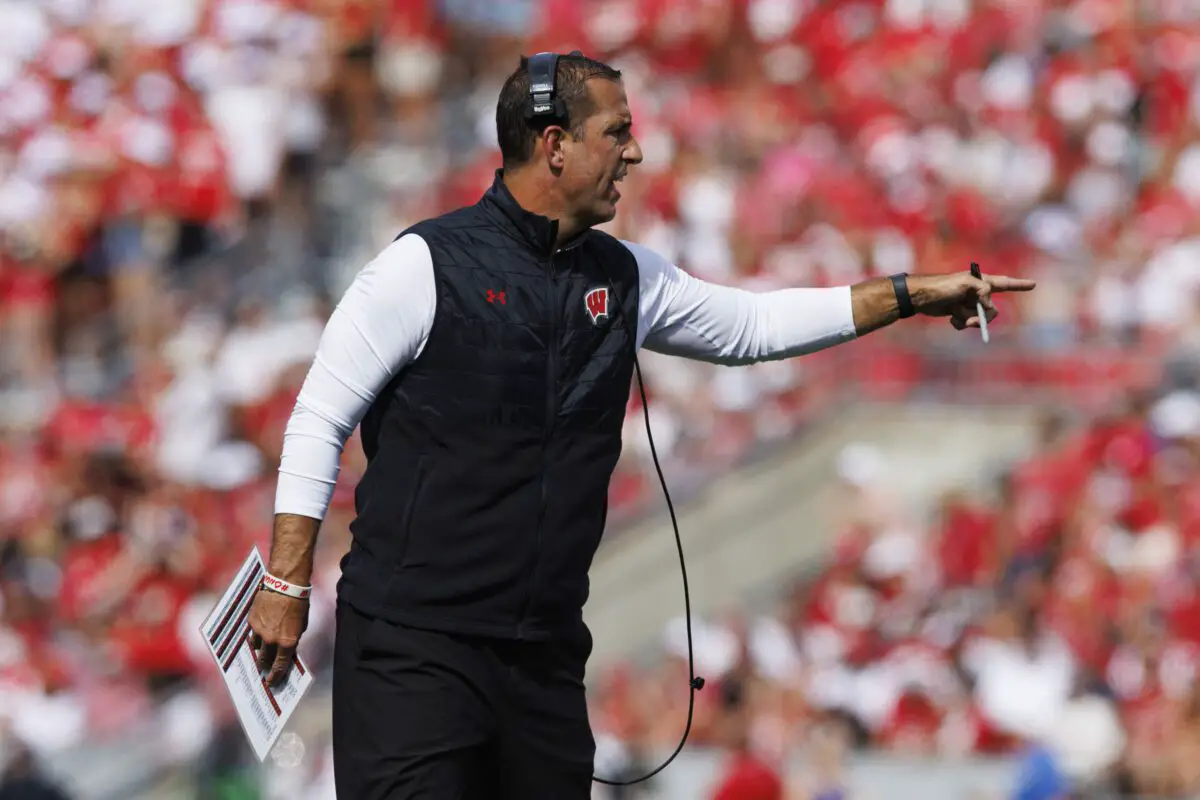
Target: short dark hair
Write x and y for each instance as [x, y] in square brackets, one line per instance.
[516, 134]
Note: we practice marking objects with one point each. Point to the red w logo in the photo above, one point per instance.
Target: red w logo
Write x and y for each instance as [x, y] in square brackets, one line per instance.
[493, 296]
[596, 302]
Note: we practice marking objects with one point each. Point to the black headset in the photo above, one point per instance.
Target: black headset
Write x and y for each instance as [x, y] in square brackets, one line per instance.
[545, 104]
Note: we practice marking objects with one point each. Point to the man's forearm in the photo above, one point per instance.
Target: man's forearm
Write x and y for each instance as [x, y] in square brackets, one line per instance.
[874, 305]
[293, 546]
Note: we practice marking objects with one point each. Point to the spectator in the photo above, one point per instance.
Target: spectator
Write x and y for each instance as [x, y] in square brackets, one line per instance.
[23, 780]
[747, 776]
[826, 775]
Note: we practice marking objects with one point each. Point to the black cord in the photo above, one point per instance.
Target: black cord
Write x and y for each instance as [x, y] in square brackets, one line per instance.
[695, 683]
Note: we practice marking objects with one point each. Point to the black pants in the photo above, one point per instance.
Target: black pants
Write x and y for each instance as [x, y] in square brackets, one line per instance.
[435, 716]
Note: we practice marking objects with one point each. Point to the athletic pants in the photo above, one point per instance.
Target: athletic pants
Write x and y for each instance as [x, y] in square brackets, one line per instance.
[419, 714]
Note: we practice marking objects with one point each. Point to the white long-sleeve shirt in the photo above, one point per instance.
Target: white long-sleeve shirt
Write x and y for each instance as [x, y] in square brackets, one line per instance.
[383, 321]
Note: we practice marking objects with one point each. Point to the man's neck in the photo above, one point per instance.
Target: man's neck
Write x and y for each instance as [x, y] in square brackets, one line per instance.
[536, 194]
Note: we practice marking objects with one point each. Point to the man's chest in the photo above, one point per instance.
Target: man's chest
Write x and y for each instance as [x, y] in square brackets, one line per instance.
[536, 343]
[569, 310]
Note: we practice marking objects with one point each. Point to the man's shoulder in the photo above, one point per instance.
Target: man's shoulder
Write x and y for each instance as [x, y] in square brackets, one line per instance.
[458, 218]
[617, 257]
[408, 246]
[646, 261]
[638, 255]
[638, 251]
[606, 242]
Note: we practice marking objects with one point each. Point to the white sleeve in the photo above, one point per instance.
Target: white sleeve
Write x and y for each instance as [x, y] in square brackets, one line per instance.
[679, 314]
[380, 325]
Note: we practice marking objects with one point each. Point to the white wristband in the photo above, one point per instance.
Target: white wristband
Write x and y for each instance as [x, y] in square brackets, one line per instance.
[269, 581]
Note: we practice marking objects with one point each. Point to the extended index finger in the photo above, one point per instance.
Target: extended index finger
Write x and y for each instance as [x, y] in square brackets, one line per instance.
[1002, 283]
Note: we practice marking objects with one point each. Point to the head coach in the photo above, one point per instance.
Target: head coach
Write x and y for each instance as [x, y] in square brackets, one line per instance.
[488, 355]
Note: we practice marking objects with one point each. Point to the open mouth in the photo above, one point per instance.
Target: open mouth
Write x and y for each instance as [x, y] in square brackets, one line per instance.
[613, 186]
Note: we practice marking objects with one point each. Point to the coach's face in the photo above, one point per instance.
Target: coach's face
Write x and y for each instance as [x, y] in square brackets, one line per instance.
[595, 163]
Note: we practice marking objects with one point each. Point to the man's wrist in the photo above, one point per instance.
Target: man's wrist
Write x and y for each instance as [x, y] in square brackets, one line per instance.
[273, 583]
[299, 574]
[904, 301]
[290, 563]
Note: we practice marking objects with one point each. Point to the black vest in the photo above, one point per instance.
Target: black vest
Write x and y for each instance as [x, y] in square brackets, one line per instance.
[490, 455]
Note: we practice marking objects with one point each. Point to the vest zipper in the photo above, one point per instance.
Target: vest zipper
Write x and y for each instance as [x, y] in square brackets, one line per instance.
[551, 418]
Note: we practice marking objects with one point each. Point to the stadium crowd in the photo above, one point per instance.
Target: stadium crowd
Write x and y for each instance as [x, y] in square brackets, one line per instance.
[187, 186]
[1059, 609]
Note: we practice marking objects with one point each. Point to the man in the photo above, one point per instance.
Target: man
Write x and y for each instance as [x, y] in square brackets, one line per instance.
[488, 354]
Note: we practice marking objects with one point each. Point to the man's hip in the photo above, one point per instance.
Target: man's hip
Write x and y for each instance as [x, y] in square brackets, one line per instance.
[501, 602]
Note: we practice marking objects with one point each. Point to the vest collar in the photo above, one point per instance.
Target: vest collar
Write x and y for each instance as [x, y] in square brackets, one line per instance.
[535, 230]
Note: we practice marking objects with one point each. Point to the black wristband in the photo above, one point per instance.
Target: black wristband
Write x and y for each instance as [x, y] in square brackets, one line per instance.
[903, 298]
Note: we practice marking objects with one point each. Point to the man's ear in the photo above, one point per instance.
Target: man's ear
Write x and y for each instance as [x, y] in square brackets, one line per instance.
[552, 140]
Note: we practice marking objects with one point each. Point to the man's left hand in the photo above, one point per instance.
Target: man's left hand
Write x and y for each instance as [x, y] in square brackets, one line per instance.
[955, 295]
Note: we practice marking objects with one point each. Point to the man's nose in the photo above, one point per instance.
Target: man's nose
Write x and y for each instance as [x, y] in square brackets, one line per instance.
[633, 153]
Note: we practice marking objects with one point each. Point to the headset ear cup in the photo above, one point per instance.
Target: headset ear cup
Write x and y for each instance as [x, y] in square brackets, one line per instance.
[542, 69]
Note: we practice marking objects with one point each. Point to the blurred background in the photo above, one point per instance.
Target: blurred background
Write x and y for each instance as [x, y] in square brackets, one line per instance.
[921, 567]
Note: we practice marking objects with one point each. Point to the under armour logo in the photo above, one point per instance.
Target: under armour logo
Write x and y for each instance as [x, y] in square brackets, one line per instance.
[494, 297]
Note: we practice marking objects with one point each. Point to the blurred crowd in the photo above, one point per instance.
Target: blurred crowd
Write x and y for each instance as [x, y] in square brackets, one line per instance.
[186, 187]
[1059, 609]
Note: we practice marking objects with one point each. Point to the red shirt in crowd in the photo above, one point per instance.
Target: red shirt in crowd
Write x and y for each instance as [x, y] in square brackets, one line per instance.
[1045, 487]
[966, 546]
[84, 567]
[146, 633]
[749, 778]
[202, 193]
[912, 726]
